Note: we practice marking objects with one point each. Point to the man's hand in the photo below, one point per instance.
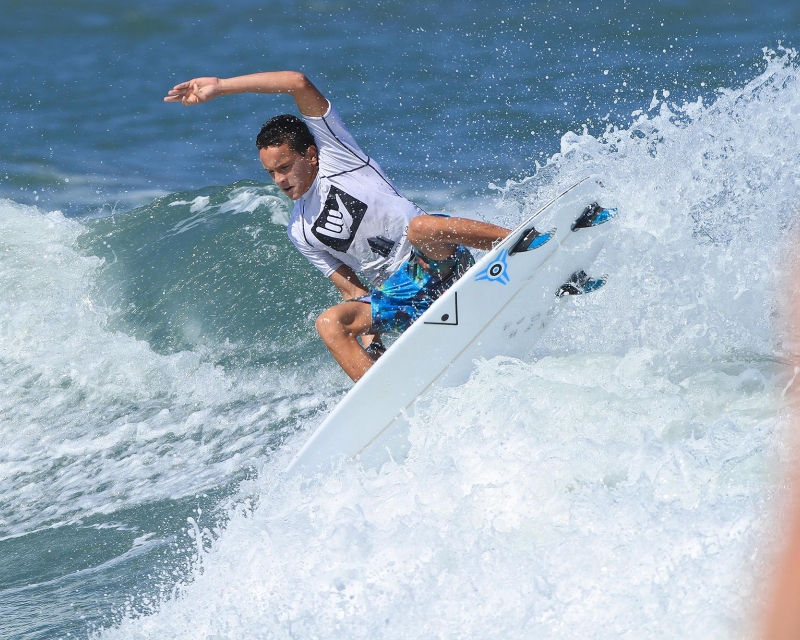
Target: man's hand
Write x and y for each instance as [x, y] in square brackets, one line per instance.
[195, 91]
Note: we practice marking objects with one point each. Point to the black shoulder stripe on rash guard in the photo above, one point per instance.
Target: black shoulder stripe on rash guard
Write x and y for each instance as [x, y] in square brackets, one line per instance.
[355, 155]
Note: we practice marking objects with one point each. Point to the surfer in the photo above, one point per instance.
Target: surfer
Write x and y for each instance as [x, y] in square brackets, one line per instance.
[349, 219]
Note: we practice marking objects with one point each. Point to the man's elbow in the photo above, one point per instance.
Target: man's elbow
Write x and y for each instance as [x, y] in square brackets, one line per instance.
[298, 81]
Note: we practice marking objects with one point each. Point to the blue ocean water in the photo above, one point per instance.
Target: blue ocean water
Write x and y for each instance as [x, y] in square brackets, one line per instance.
[159, 366]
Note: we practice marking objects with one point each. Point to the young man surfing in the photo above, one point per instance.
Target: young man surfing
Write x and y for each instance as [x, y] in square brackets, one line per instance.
[349, 219]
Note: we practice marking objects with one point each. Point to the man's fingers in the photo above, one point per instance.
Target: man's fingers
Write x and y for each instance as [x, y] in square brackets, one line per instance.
[183, 98]
[178, 91]
[186, 93]
[178, 97]
[176, 94]
[190, 99]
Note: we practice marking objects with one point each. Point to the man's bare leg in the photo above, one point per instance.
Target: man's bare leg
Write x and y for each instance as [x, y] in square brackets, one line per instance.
[339, 328]
[437, 237]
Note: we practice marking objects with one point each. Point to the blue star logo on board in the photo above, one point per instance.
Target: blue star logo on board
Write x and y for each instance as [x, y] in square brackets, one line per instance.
[497, 271]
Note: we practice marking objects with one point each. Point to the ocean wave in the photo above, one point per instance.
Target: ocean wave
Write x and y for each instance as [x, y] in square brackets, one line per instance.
[614, 482]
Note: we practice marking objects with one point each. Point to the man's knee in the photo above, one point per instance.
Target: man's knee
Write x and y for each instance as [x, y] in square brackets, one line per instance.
[328, 322]
[344, 320]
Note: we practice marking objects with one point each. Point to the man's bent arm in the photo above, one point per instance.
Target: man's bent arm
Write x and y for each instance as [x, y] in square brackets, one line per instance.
[309, 100]
[348, 284]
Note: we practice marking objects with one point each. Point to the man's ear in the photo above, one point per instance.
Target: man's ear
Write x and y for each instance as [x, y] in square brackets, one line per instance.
[312, 154]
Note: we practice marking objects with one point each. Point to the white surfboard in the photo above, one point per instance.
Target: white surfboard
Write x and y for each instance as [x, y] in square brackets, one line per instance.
[499, 307]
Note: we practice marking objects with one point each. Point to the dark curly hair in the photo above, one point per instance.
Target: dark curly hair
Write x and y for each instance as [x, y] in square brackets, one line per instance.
[285, 129]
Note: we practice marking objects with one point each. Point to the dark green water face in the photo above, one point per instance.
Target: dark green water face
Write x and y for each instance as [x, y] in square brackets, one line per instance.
[158, 355]
[211, 269]
[56, 580]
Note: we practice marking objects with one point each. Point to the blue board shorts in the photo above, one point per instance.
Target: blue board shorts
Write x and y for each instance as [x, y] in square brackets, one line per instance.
[409, 291]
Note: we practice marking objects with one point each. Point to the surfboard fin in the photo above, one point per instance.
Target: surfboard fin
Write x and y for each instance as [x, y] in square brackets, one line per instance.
[531, 239]
[580, 283]
[592, 216]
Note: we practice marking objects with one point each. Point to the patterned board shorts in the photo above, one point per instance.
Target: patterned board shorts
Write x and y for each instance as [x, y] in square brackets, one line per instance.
[409, 291]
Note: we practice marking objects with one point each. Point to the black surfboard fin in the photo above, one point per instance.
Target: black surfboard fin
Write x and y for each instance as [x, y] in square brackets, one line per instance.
[579, 283]
[592, 216]
[531, 239]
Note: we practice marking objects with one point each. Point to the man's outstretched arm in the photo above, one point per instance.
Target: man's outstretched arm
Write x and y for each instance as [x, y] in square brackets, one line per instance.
[308, 98]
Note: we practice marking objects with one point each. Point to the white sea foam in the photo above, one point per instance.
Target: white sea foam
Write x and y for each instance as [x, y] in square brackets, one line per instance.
[557, 498]
[94, 420]
[613, 485]
[236, 200]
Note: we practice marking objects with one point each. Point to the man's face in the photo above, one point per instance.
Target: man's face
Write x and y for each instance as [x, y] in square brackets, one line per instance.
[293, 172]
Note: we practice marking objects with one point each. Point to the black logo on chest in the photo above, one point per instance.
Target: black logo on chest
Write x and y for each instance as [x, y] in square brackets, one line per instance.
[341, 216]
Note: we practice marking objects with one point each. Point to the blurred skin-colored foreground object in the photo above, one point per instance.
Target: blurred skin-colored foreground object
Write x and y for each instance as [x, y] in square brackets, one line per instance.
[781, 617]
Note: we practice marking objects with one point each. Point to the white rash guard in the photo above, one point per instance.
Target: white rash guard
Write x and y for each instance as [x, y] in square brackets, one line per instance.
[352, 214]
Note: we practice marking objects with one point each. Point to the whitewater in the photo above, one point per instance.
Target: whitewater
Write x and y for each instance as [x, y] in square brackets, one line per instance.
[619, 479]
[615, 483]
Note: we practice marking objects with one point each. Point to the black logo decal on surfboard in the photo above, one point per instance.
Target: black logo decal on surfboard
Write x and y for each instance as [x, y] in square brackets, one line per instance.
[341, 216]
[447, 316]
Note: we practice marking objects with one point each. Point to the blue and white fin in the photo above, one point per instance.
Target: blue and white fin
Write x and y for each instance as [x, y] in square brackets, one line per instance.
[580, 283]
[592, 216]
[530, 240]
